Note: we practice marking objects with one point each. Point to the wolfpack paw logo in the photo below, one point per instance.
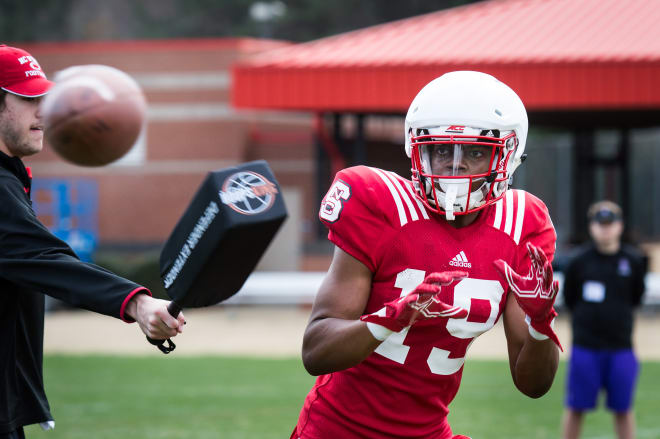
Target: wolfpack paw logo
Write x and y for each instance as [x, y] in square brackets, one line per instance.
[248, 193]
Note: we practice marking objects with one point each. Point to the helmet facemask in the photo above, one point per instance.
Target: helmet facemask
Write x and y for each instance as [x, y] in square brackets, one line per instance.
[458, 174]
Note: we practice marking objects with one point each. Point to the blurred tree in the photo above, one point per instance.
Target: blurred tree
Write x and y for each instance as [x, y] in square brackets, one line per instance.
[310, 19]
[295, 20]
[29, 20]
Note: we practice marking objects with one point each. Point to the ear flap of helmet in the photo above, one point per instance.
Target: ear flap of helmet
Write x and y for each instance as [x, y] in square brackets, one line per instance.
[408, 145]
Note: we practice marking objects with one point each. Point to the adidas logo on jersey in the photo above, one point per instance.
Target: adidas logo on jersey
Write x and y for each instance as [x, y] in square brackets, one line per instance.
[460, 261]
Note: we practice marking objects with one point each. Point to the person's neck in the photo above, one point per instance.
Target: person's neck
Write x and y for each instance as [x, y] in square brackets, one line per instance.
[4, 149]
[463, 220]
[608, 248]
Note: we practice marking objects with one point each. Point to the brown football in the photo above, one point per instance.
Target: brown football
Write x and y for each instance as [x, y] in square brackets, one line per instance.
[93, 115]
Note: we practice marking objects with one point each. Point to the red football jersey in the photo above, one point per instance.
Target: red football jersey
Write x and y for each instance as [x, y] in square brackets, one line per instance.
[404, 388]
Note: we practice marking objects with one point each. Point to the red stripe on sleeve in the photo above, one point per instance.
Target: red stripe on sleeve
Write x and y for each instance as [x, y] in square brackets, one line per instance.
[140, 290]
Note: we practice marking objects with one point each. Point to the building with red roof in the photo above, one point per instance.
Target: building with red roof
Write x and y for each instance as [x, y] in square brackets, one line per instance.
[558, 55]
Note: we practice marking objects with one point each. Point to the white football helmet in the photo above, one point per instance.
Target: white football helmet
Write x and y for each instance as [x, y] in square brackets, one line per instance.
[467, 114]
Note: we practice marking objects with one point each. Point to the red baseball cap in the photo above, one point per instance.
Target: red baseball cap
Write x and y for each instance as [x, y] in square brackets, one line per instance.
[21, 74]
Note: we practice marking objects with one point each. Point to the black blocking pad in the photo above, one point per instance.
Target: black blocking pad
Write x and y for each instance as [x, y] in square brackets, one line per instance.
[222, 235]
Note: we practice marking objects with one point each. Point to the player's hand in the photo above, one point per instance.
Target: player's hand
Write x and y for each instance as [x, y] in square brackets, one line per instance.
[154, 319]
[420, 304]
[536, 292]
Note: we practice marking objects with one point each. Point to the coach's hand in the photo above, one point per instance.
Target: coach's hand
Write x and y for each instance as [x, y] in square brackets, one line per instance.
[420, 304]
[154, 319]
[535, 293]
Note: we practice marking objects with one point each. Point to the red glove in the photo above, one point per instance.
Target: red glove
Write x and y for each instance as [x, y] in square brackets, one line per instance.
[535, 293]
[420, 304]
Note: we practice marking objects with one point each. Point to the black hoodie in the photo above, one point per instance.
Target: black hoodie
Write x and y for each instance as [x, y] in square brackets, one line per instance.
[34, 262]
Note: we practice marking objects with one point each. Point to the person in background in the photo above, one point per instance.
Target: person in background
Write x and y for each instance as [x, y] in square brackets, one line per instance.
[34, 262]
[604, 282]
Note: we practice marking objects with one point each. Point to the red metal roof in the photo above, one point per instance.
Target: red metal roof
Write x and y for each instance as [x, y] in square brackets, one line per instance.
[557, 54]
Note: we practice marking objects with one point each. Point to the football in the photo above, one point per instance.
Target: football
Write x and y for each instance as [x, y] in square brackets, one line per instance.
[93, 115]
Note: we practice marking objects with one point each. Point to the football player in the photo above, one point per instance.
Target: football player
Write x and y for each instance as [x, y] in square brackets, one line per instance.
[422, 267]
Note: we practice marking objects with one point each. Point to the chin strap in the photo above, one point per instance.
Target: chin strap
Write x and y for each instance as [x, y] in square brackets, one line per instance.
[450, 198]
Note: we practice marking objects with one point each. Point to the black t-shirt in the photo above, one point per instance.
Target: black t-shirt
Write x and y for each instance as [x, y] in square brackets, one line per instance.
[602, 291]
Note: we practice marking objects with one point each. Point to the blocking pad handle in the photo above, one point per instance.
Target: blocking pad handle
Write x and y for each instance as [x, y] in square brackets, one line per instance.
[174, 309]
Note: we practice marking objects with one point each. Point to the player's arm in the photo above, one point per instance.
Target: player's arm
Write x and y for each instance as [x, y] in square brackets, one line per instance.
[528, 322]
[533, 363]
[338, 335]
[335, 338]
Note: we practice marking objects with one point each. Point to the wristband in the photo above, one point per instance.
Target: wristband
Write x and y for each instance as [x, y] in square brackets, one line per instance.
[379, 332]
[536, 335]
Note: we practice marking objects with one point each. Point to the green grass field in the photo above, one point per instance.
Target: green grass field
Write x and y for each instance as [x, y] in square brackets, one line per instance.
[219, 397]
